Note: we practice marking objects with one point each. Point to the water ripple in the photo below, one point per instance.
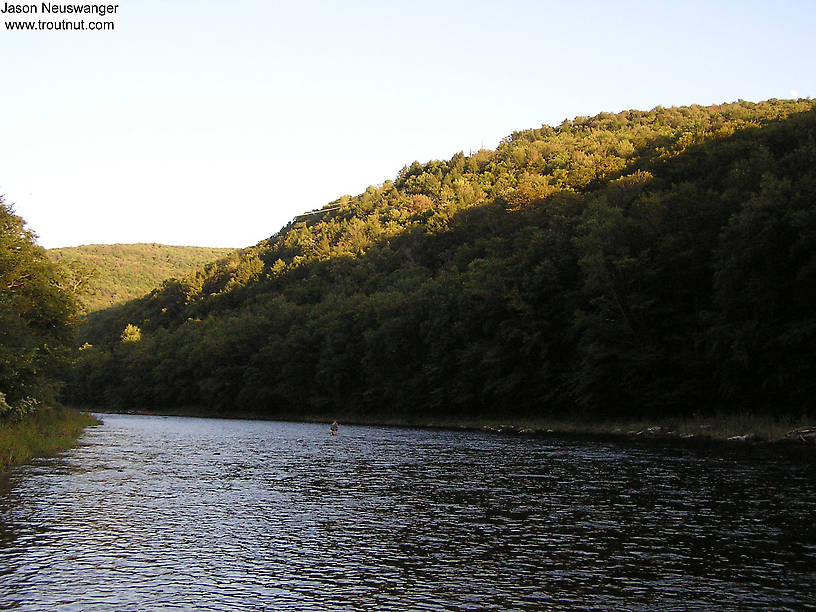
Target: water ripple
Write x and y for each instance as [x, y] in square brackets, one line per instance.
[171, 513]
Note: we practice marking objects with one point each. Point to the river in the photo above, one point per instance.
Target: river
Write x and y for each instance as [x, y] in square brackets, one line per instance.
[185, 513]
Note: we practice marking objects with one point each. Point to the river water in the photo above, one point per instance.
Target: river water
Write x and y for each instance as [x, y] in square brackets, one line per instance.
[183, 513]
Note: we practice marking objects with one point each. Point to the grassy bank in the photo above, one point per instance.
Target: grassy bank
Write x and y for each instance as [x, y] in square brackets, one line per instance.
[46, 431]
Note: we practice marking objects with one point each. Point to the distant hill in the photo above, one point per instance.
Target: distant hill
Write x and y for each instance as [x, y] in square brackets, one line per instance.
[644, 263]
[122, 272]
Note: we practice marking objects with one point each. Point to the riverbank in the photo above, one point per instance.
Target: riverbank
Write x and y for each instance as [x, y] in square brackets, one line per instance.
[731, 427]
[717, 427]
[47, 431]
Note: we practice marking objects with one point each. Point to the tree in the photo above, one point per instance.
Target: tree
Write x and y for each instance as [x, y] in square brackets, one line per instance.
[131, 333]
[36, 313]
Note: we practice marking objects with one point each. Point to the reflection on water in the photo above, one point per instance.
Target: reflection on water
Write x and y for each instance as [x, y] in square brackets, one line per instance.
[156, 512]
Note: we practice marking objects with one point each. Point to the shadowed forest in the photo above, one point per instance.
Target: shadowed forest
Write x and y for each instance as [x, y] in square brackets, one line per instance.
[645, 263]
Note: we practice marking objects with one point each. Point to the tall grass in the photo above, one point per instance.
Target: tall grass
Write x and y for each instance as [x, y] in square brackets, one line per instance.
[47, 431]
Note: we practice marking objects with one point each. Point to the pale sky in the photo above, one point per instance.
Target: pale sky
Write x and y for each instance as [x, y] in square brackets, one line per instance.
[213, 123]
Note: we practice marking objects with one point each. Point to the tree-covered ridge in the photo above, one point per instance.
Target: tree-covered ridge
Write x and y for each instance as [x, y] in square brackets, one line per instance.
[115, 273]
[632, 263]
[37, 313]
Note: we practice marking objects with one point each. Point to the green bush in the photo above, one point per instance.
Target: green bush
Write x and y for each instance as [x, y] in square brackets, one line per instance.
[19, 410]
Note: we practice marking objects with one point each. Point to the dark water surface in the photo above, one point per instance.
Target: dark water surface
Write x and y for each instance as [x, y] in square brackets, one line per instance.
[176, 513]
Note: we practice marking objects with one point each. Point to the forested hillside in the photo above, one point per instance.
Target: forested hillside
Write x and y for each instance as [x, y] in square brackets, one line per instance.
[112, 274]
[642, 263]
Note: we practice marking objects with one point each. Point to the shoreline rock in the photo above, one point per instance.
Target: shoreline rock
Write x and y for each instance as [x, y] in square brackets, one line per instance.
[806, 435]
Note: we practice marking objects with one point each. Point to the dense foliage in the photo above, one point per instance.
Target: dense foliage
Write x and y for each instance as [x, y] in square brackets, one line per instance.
[640, 263]
[111, 274]
[37, 311]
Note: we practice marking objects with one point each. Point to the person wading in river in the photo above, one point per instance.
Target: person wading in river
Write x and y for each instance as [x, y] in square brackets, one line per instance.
[334, 428]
